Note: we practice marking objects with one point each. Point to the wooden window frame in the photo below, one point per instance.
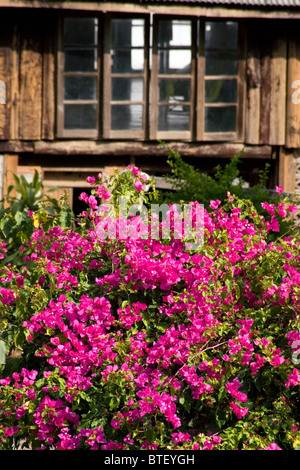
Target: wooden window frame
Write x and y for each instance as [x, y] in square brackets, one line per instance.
[155, 133]
[149, 131]
[78, 133]
[238, 134]
[108, 133]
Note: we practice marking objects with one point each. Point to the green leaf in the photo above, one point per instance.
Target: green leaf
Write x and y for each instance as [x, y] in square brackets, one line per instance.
[150, 435]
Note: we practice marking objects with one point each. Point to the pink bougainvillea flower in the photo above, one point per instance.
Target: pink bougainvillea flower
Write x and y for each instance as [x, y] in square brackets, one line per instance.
[273, 446]
[279, 189]
[214, 204]
[138, 185]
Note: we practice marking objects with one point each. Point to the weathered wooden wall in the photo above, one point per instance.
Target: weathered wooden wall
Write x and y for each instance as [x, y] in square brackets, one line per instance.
[27, 65]
[27, 59]
[266, 82]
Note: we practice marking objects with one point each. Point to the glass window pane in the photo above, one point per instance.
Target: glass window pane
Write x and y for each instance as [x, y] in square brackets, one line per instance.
[80, 88]
[127, 61]
[172, 90]
[173, 61]
[174, 33]
[80, 116]
[221, 119]
[80, 60]
[81, 31]
[221, 63]
[220, 91]
[174, 118]
[127, 32]
[221, 35]
[126, 117]
[127, 89]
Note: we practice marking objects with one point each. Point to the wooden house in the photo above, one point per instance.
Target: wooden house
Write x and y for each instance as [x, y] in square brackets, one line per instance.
[94, 85]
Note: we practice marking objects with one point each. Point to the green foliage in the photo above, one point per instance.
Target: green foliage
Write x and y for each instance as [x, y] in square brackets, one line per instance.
[190, 184]
[31, 207]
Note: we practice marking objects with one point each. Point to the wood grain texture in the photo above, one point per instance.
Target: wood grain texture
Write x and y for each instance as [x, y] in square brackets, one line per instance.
[31, 75]
[293, 98]
[278, 86]
[252, 111]
[5, 73]
[48, 86]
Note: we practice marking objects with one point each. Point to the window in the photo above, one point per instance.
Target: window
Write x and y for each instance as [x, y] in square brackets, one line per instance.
[155, 77]
[79, 76]
[125, 77]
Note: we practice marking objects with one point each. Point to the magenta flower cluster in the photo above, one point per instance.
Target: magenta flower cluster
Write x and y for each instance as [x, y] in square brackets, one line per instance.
[144, 343]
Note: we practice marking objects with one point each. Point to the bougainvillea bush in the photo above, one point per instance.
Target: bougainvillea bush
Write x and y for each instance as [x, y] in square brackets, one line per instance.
[142, 343]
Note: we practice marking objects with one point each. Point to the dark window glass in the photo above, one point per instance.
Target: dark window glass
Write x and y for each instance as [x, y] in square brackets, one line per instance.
[220, 119]
[127, 89]
[220, 91]
[172, 90]
[80, 88]
[127, 33]
[126, 117]
[80, 116]
[127, 61]
[80, 60]
[221, 35]
[221, 63]
[80, 31]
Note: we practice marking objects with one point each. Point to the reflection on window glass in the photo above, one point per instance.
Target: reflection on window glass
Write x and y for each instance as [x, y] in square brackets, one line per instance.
[80, 88]
[221, 35]
[127, 89]
[221, 63]
[220, 119]
[127, 33]
[80, 31]
[126, 117]
[220, 91]
[80, 116]
[127, 60]
[172, 33]
[175, 61]
[174, 118]
[172, 90]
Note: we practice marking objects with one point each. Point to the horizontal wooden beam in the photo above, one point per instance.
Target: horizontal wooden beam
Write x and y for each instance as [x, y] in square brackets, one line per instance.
[16, 146]
[217, 10]
[117, 148]
[217, 150]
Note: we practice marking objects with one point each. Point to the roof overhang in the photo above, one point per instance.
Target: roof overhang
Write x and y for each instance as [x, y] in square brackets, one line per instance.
[267, 9]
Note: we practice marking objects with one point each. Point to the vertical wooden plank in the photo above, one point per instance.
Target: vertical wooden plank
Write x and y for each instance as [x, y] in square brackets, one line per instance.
[10, 168]
[278, 86]
[265, 89]
[48, 116]
[5, 74]
[31, 72]
[253, 87]
[15, 83]
[293, 87]
[287, 170]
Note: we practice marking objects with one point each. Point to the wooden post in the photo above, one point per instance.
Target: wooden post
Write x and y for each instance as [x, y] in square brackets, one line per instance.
[10, 168]
[287, 170]
[293, 85]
